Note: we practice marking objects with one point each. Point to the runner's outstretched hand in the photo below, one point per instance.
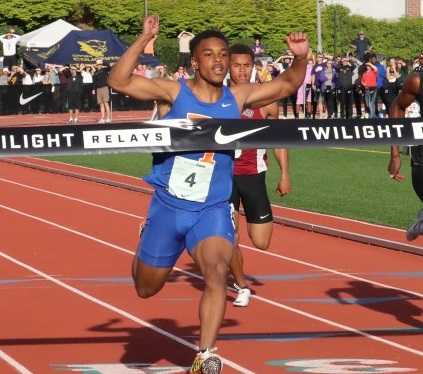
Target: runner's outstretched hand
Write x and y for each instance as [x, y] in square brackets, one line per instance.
[394, 168]
[298, 44]
[284, 186]
[151, 25]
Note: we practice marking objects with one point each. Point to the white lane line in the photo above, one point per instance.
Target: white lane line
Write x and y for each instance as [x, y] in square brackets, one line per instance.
[266, 253]
[275, 206]
[15, 364]
[117, 310]
[265, 300]
[360, 150]
[330, 270]
[85, 202]
[73, 166]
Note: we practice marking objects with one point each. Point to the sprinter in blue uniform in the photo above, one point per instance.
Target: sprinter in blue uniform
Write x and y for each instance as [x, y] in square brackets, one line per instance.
[190, 208]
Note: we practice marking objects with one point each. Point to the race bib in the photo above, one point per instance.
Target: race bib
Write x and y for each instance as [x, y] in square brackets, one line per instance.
[190, 179]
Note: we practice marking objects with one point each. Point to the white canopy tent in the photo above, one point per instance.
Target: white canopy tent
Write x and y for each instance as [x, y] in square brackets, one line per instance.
[48, 35]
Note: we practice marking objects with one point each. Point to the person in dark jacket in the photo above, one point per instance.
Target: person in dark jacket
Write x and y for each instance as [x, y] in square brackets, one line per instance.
[74, 91]
[345, 87]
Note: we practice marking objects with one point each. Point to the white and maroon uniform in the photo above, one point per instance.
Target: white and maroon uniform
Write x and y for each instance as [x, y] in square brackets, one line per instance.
[250, 161]
[249, 182]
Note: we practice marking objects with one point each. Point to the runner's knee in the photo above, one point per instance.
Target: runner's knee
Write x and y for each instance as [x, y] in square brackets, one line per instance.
[148, 280]
[215, 274]
[145, 291]
[261, 243]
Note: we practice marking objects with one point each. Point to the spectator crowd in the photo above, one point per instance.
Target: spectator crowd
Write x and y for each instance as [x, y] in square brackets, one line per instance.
[360, 84]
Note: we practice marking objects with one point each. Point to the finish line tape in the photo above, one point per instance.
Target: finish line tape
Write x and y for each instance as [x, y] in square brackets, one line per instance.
[207, 134]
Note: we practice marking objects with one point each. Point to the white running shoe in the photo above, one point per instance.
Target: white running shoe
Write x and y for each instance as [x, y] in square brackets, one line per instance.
[416, 229]
[101, 121]
[207, 363]
[243, 297]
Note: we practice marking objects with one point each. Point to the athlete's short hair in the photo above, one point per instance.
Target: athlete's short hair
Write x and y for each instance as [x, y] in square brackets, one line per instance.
[193, 44]
[241, 49]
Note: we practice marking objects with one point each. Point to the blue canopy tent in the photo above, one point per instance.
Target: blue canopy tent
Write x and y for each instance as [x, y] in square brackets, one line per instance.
[87, 47]
[150, 60]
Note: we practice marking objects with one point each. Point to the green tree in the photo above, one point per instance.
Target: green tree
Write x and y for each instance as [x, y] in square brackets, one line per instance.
[390, 38]
[31, 14]
[238, 19]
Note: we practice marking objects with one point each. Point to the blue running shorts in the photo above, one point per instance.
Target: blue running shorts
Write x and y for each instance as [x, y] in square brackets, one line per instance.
[168, 231]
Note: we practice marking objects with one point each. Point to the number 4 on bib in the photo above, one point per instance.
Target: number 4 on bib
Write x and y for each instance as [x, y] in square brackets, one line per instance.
[190, 179]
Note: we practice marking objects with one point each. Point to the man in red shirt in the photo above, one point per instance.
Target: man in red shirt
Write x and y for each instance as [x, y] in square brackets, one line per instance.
[369, 82]
[249, 183]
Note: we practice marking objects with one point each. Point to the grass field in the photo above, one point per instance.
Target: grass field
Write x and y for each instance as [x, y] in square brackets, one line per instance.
[350, 183]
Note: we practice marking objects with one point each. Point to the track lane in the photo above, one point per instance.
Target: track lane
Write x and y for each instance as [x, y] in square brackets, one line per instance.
[37, 208]
[271, 327]
[339, 223]
[53, 326]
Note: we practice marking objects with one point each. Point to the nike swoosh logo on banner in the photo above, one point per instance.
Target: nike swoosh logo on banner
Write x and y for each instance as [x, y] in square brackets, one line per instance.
[24, 101]
[225, 139]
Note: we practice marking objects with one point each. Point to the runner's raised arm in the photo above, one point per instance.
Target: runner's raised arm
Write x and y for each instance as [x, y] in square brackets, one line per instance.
[287, 83]
[121, 77]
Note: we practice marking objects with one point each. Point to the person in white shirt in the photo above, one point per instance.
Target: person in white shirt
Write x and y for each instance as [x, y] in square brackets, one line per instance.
[87, 98]
[184, 52]
[9, 41]
[38, 77]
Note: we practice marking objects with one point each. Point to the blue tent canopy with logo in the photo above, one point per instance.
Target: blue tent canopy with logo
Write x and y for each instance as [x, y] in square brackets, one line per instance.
[87, 47]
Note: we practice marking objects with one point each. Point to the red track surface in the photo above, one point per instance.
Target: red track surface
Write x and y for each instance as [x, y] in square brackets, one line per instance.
[62, 118]
[81, 234]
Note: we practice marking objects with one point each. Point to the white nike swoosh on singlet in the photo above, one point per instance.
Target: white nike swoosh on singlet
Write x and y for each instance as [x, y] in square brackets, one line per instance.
[24, 101]
[225, 139]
